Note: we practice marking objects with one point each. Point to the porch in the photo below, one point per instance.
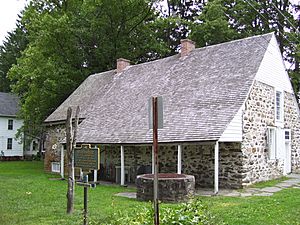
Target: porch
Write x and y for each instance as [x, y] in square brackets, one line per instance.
[213, 164]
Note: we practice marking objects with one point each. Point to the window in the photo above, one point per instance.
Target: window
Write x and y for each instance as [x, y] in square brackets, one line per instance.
[279, 106]
[55, 167]
[275, 142]
[287, 135]
[9, 143]
[10, 125]
[272, 142]
[34, 146]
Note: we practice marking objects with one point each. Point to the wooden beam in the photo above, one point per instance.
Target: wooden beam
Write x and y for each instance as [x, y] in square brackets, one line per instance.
[95, 175]
[122, 166]
[62, 163]
[152, 159]
[179, 155]
[216, 183]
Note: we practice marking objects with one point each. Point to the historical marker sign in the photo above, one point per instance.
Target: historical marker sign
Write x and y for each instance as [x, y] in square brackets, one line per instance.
[87, 158]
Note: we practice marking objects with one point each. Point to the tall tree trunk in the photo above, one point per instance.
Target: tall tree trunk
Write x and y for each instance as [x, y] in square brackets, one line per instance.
[71, 134]
[70, 192]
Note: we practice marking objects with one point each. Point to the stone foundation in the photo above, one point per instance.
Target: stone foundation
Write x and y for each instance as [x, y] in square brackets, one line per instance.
[172, 187]
[11, 158]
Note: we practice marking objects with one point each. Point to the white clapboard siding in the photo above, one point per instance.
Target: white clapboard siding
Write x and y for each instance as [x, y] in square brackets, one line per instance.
[272, 70]
[233, 132]
[17, 148]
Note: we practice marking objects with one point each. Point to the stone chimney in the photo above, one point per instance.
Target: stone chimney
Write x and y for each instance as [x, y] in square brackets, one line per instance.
[187, 46]
[122, 64]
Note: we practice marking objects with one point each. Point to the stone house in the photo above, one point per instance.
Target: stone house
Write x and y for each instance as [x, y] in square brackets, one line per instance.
[10, 147]
[230, 115]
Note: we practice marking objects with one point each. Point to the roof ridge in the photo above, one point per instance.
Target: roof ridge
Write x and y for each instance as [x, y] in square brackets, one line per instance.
[196, 49]
[236, 40]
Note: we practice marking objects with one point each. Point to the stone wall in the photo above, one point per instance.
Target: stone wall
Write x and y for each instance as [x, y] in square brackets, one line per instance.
[197, 160]
[259, 113]
[54, 135]
[137, 159]
[292, 121]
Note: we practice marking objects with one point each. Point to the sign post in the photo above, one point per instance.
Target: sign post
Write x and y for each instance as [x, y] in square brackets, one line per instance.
[155, 123]
[87, 159]
[85, 199]
[155, 146]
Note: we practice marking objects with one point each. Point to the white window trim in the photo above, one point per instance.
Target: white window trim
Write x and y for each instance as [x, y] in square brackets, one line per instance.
[55, 167]
[12, 125]
[271, 146]
[10, 145]
[290, 135]
[279, 122]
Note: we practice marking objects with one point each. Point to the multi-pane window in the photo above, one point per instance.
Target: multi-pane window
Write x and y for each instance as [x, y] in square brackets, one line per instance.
[10, 125]
[279, 106]
[55, 167]
[9, 143]
[287, 135]
[276, 142]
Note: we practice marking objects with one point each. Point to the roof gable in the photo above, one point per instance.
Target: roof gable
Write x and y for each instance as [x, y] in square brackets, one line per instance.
[9, 104]
[272, 70]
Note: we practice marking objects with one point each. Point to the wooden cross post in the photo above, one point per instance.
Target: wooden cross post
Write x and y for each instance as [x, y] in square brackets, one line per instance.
[155, 146]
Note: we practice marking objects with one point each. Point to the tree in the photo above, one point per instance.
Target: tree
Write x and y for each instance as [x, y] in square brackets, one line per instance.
[175, 21]
[71, 134]
[68, 40]
[224, 20]
[15, 42]
[212, 26]
[249, 17]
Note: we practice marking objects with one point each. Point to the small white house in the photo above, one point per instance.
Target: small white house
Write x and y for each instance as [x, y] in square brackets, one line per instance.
[10, 147]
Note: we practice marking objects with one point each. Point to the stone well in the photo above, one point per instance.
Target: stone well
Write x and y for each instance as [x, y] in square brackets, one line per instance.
[172, 187]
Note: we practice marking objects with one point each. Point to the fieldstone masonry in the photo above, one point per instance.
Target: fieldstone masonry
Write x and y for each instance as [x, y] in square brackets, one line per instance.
[197, 160]
[172, 187]
[54, 135]
[292, 121]
[259, 113]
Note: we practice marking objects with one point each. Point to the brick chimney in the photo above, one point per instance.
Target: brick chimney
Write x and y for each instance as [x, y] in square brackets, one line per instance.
[187, 46]
[122, 64]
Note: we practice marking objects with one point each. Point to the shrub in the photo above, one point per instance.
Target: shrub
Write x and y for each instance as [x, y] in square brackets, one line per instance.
[193, 212]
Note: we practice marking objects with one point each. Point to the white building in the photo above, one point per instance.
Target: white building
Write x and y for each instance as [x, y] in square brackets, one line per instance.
[10, 147]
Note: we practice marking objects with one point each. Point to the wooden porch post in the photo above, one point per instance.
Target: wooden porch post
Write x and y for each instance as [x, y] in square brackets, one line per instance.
[62, 163]
[216, 167]
[152, 159]
[179, 154]
[122, 166]
[95, 175]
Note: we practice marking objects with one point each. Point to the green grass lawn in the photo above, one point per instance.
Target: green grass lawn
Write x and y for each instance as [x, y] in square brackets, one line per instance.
[27, 196]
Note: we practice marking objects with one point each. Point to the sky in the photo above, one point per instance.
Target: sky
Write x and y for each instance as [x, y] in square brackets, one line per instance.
[9, 9]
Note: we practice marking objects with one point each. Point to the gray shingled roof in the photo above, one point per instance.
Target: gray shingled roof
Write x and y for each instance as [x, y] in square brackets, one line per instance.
[201, 93]
[9, 104]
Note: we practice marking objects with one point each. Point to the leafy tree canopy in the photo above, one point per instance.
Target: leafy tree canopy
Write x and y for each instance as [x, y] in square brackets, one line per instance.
[68, 40]
[59, 43]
